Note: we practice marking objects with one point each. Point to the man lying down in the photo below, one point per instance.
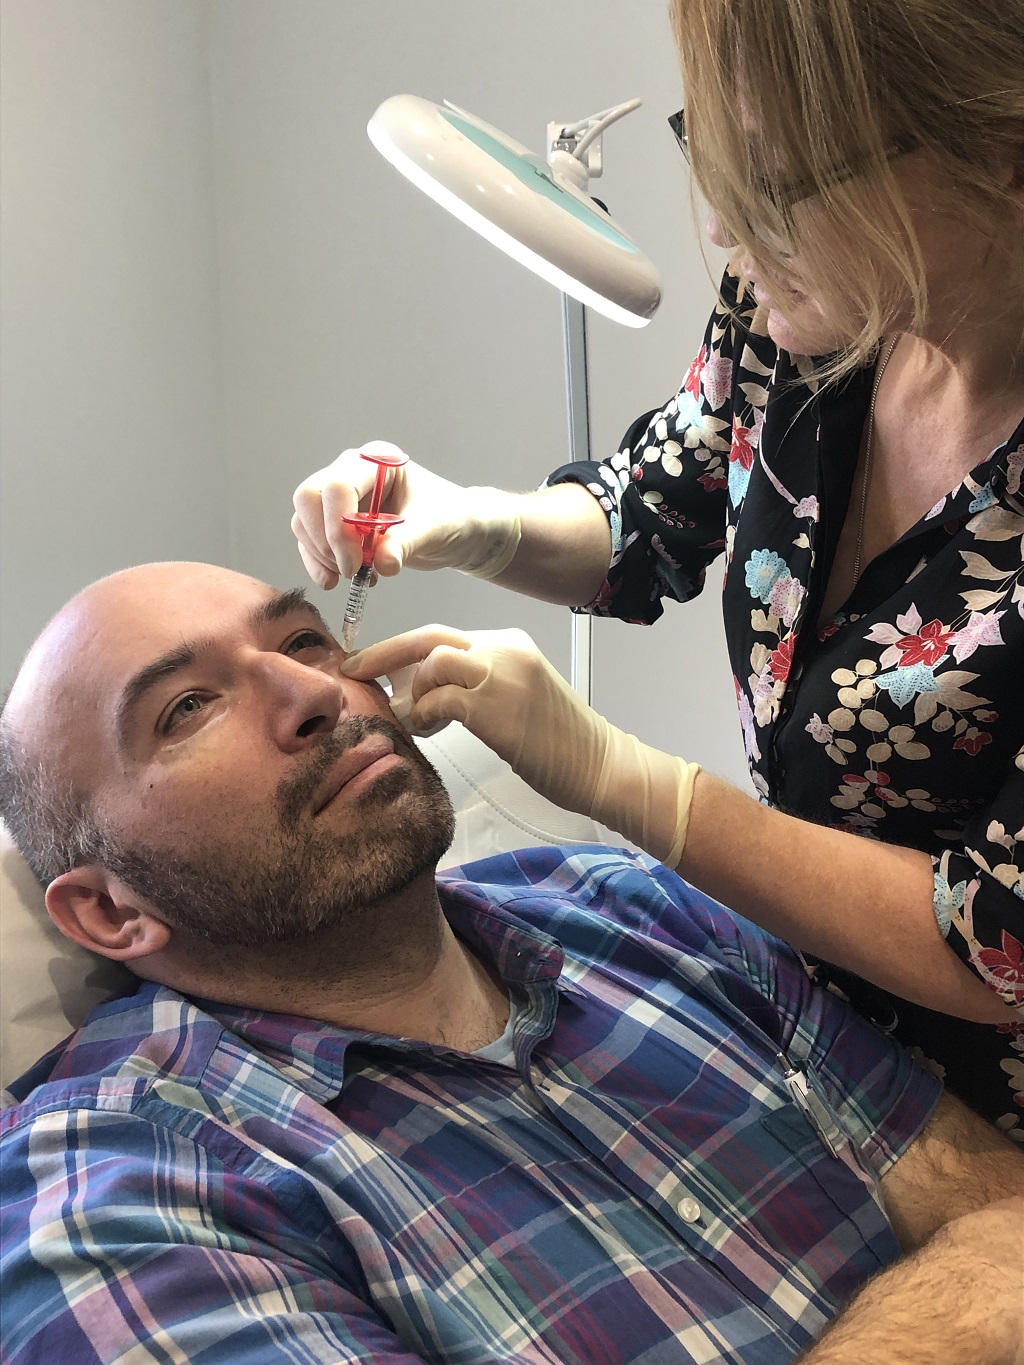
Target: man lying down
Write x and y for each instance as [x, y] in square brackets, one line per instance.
[550, 1107]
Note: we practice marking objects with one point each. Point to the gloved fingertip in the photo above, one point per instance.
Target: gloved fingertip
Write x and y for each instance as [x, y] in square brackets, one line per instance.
[424, 731]
[401, 700]
[389, 564]
[414, 720]
[401, 709]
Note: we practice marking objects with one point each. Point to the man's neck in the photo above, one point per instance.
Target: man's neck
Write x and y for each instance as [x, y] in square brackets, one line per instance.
[456, 1001]
[397, 969]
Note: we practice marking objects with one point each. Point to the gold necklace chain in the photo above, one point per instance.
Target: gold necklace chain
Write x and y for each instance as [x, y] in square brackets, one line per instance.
[886, 357]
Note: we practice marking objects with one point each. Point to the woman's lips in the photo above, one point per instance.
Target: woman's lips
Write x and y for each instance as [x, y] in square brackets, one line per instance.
[767, 298]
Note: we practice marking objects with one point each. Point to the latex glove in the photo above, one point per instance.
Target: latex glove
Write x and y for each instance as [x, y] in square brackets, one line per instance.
[500, 686]
[446, 526]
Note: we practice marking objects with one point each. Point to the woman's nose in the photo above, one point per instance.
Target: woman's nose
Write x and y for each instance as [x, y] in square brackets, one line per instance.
[717, 234]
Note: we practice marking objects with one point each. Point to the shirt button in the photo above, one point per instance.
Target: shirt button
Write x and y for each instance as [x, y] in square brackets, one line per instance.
[688, 1210]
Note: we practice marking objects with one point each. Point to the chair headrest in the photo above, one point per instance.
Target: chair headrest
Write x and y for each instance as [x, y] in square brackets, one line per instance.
[48, 984]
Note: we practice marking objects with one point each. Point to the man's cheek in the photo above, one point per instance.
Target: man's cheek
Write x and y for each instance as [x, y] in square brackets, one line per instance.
[203, 804]
[368, 699]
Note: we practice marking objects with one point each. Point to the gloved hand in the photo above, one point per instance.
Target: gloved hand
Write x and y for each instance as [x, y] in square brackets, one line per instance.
[446, 526]
[500, 686]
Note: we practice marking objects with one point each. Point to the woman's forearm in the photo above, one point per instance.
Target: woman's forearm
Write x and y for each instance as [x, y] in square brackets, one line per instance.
[861, 904]
[565, 549]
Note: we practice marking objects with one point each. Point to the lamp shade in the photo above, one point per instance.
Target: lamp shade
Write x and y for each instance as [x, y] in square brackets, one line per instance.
[516, 200]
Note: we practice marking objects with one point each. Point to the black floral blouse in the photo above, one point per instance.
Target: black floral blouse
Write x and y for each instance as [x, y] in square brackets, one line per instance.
[902, 718]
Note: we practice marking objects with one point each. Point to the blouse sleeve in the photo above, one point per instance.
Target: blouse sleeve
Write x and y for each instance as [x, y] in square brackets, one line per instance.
[665, 491]
[979, 891]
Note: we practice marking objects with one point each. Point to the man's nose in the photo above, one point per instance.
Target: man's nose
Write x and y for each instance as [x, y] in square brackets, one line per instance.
[717, 234]
[302, 701]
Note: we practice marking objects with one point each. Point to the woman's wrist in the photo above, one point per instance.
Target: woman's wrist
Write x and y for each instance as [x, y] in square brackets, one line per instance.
[566, 546]
[645, 794]
[491, 533]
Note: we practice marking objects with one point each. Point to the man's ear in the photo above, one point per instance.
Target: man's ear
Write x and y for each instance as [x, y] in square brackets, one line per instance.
[92, 907]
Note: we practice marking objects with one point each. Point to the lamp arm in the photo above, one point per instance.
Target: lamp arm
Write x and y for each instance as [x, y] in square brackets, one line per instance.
[597, 123]
[574, 149]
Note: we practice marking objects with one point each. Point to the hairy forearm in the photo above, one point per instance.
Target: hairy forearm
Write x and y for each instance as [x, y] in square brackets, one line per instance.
[861, 904]
[959, 1299]
[565, 549]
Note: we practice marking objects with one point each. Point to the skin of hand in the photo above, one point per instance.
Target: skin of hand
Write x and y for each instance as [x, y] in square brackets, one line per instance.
[476, 530]
[959, 1294]
[500, 686]
[960, 1298]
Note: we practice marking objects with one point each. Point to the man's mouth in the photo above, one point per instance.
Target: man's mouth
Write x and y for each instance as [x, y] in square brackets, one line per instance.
[376, 752]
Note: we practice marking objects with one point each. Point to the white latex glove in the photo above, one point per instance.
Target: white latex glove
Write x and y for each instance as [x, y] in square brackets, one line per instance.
[446, 526]
[500, 686]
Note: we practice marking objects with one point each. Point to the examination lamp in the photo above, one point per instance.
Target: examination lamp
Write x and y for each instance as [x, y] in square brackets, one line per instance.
[540, 214]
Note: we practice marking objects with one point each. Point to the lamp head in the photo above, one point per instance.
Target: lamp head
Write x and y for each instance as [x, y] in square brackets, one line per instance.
[532, 211]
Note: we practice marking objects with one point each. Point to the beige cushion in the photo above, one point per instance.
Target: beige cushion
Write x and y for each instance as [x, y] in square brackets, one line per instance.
[48, 984]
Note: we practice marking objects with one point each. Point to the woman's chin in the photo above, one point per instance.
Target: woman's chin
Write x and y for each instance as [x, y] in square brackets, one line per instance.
[802, 336]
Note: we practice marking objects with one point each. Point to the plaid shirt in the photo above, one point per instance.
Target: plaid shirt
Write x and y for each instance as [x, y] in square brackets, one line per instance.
[186, 1183]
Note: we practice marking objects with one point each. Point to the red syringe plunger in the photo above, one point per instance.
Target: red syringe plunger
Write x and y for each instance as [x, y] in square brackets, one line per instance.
[370, 524]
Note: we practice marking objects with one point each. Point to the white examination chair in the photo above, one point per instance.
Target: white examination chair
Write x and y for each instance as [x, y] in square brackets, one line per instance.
[48, 984]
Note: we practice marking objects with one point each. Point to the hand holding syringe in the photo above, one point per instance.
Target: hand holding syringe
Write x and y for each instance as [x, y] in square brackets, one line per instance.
[474, 530]
[370, 524]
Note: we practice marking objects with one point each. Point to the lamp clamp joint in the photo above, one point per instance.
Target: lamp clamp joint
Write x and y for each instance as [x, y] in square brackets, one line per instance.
[565, 141]
[582, 140]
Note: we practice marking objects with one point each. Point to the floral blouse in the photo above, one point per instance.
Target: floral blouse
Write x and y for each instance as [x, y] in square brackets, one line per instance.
[902, 717]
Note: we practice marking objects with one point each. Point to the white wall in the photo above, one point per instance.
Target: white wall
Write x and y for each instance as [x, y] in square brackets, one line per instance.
[111, 435]
[278, 292]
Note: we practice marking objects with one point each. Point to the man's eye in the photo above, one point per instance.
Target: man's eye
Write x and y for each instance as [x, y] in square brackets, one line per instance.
[183, 709]
[307, 639]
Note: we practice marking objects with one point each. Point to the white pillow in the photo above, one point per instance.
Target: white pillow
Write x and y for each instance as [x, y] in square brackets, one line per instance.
[495, 810]
[48, 984]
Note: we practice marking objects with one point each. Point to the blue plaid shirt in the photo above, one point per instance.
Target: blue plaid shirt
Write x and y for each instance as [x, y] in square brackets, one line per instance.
[186, 1182]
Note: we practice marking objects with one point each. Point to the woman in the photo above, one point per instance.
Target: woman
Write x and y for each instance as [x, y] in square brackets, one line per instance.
[851, 437]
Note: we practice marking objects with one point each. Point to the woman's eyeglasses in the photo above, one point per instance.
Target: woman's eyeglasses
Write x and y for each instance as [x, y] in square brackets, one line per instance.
[783, 196]
[677, 122]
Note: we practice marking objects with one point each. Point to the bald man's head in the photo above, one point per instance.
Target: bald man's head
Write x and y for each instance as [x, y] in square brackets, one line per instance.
[46, 812]
[189, 732]
[48, 724]
[190, 711]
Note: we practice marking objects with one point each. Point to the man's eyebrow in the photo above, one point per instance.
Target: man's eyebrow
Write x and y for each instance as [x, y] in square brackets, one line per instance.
[186, 654]
[283, 604]
[143, 682]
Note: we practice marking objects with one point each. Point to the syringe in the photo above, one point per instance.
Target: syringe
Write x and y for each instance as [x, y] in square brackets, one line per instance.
[370, 524]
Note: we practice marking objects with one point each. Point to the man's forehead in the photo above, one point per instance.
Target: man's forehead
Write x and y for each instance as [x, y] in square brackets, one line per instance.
[112, 628]
[121, 618]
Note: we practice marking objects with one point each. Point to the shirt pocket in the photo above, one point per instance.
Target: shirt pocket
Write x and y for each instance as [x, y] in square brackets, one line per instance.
[841, 1229]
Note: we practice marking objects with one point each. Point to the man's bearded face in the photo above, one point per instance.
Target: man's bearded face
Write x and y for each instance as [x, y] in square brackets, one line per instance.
[291, 873]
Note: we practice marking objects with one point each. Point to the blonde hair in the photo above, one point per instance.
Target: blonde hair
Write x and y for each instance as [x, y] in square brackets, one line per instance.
[834, 86]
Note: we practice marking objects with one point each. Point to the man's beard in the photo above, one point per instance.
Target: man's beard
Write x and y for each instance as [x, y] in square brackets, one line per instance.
[287, 879]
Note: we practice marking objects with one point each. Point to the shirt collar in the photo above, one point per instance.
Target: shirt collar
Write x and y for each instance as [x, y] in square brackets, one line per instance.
[312, 1054]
